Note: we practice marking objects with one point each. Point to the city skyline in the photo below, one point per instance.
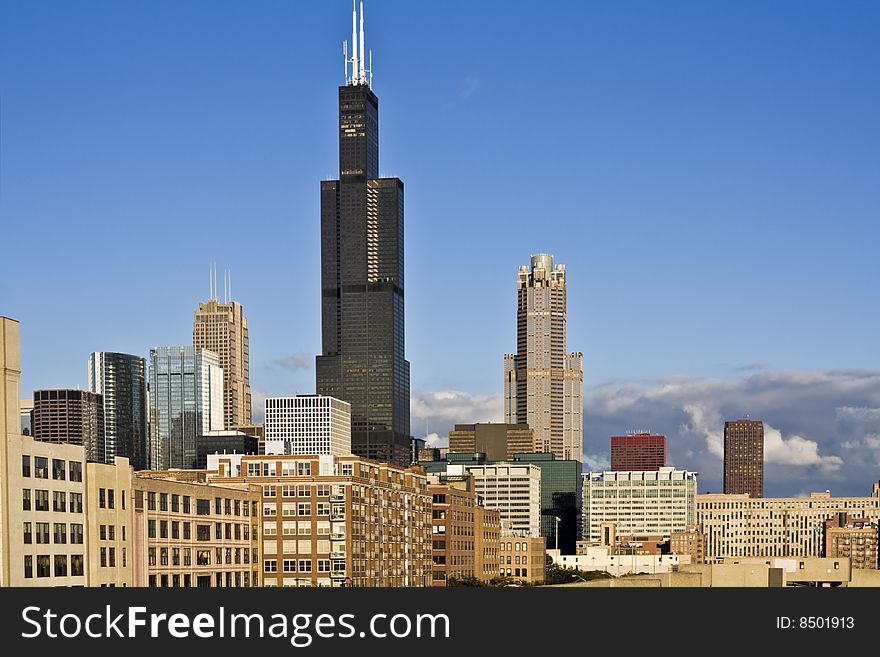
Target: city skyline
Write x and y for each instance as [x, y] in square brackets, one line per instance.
[776, 361]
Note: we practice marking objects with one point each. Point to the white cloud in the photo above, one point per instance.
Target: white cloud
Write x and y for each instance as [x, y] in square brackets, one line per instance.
[445, 408]
[258, 405]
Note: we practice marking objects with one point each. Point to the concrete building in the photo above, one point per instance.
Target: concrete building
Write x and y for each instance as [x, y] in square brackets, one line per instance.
[308, 424]
[691, 541]
[120, 379]
[514, 489]
[224, 442]
[744, 457]
[109, 516]
[338, 520]
[222, 328]
[596, 557]
[853, 538]
[523, 558]
[27, 417]
[453, 529]
[186, 401]
[487, 543]
[638, 502]
[499, 442]
[543, 385]
[740, 526]
[638, 450]
[71, 416]
[191, 533]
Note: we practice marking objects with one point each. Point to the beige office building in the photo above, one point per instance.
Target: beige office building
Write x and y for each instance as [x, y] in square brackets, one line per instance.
[853, 538]
[338, 520]
[109, 516]
[223, 329]
[543, 385]
[739, 526]
[513, 489]
[691, 541]
[453, 529]
[191, 533]
[487, 543]
[523, 559]
[498, 441]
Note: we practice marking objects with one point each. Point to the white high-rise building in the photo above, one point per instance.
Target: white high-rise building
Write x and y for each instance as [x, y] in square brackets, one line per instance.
[514, 489]
[308, 424]
[654, 503]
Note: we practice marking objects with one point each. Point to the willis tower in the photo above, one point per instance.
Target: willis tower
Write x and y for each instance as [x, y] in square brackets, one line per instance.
[362, 317]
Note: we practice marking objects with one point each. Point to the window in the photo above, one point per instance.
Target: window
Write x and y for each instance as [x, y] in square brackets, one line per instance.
[76, 533]
[218, 555]
[41, 500]
[203, 558]
[103, 557]
[218, 531]
[60, 533]
[102, 498]
[186, 531]
[76, 503]
[26, 467]
[203, 532]
[59, 501]
[303, 468]
[60, 565]
[43, 565]
[111, 532]
[323, 509]
[305, 566]
[304, 509]
[151, 556]
[151, 529]
[163, 557]
[290, 565]
[28, 566]
[218, 505]
[228, 532]
[102, 532]
[227, 507]
[124, 560]
[175, 503]
[58, 473]
[187, 556]
[270, 565]
[175, 530]
[111, 504]
[203, 507]
[186, 504]
[288, 490]
[123, 500]
[163, 529]
[348, 469]
[26, 499]
[323, 565]
[163, 501]
[304, 491]
[76, 565]
[41, 471]
[75, 470]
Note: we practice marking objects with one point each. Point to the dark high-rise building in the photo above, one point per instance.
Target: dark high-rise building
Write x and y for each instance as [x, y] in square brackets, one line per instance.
[638, 451]
[122, 382]
[497, 441]
[744, 457]
[362, 320]
[71, 416]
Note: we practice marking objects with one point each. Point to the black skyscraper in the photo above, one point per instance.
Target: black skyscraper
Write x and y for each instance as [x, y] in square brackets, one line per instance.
[362, 281]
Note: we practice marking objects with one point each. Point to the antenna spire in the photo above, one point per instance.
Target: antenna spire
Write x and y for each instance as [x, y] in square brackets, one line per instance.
[354, 42]
[362, 78]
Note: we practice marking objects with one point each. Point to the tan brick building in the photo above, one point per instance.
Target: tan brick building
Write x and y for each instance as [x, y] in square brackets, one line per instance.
[690, 541]
[742, 526]
[190, 533]
[487, 543]
[338, 520]
[853, 538]
[523, 558]
[453, 525]
[109, 515]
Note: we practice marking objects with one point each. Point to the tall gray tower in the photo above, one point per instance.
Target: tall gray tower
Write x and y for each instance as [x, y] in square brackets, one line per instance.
[362, 360]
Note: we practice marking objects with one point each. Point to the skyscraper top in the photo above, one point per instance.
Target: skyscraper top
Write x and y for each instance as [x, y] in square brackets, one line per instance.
[358, 61]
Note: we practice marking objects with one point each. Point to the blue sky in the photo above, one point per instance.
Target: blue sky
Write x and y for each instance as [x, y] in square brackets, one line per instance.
[709, 173]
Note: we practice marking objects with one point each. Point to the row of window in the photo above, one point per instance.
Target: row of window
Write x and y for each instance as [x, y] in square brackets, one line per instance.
[237, 579]
[290, 490]
[44, 564]
[233, 531]
[203, 557]
[40, 500]
[38, 532]
[73, 469]
[301, 565]
[301, 509]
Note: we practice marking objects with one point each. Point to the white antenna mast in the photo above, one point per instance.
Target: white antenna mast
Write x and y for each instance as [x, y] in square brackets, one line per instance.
[354, 42]
[363, 77]
[371, 68]
[225, 286]
[230, 285]
[210, 284]
[345, 59]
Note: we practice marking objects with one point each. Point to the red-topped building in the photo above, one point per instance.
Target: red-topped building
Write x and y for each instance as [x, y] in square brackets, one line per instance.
[638, 451]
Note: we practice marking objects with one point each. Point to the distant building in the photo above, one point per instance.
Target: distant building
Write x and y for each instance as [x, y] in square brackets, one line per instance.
[561, 498]
[638, 502]
[739, 526]
[257, 431]
[186, 402]
[120, 379]
[71, 416]
[523, 558]
[487, 546]
[543, 385]
[223, 442]
[453, 525]
[500, 442]
[308, 424]
[223, 329]
[109, 524]
[27, 417]
[744, 457]
[428, 454]
[691, 540]
[853, 538]
[638, 451]
[514, 489]
[602, 558]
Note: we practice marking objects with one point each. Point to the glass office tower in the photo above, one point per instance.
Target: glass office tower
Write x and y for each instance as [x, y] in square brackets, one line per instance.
[121, 380]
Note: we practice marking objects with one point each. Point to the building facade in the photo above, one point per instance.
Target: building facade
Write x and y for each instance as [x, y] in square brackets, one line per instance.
[453, 529]
[543, 385]
[120, 379]
[638, 502]
[690, 541]
[853, 538]
[223, 329]
[744, 457]
[499, 442]
[362, 285]
[333, 521]
[638, 451]
[189, 533]
[524, 559]
[738, 526]
[186, 402]
[109, 515]
[224, 442]
[513, 489]
[308, 424]
[71, 416]
[487, 542]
